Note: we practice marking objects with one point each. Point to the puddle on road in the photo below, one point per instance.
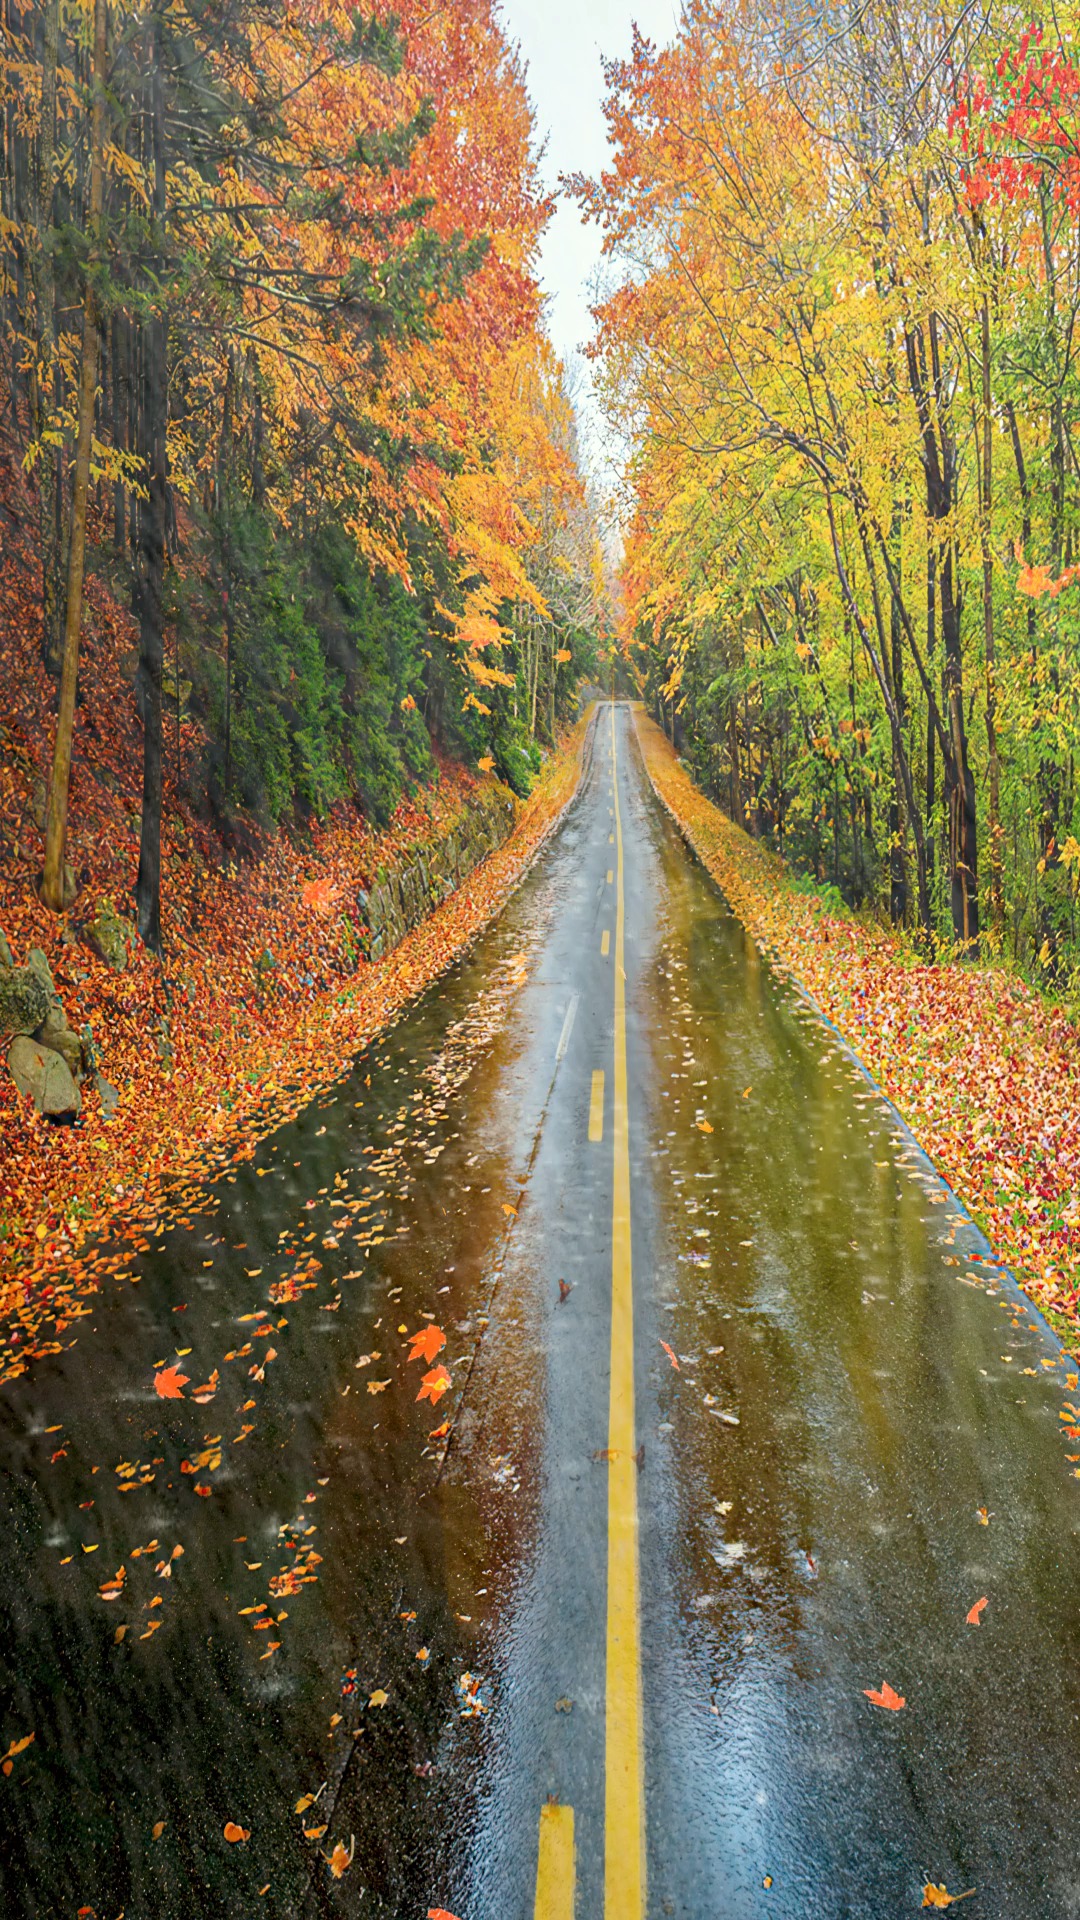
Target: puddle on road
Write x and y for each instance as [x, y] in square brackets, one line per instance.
[898, 1456]
[251, 1598]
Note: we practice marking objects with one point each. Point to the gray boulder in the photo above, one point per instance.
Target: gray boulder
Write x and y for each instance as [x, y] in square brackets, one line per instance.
[43, 1074]
[54, 1031]
[109, 1096]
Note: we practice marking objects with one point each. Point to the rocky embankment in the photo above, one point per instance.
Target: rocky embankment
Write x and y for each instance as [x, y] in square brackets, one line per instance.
[50, 1062]
[45, 1058]
[406, 893]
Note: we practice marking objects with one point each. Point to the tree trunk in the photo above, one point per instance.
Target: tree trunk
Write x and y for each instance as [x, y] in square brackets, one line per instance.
[56, 822]
[939, 467]
[898, 879]
[46, 381]
[997, 908]
[150, 551]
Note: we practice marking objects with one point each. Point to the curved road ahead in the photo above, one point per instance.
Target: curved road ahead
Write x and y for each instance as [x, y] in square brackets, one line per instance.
[742, 1424]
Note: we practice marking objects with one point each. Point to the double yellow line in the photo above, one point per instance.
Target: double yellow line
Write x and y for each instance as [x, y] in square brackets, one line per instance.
[624, 1798]
[624, 1777]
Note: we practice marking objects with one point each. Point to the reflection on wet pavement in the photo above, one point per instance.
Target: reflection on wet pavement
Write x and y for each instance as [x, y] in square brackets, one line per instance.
[291, 1639]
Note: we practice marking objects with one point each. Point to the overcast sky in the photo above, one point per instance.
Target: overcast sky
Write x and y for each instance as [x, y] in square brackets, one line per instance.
[563, 41]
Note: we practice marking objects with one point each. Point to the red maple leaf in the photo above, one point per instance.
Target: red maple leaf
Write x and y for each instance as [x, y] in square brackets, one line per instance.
[434, 1385]
[427, 1343]
[170, 1383]
[886, 1698]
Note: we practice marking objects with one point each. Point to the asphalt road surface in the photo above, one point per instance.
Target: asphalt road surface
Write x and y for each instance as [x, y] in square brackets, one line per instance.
[742, 1424]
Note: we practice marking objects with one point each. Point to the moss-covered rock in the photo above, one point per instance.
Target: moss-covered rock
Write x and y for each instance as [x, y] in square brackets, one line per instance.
[24, 1001]
[110, 936]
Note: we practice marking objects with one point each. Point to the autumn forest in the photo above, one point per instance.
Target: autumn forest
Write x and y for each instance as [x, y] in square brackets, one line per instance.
[539, 959]
[840, 333]
[276, 372]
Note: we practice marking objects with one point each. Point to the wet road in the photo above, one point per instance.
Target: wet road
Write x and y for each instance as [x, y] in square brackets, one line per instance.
[396, 1651]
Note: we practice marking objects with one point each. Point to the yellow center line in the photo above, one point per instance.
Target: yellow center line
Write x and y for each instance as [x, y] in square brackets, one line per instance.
[555, 1865]
[624, 1793]
[596, 1107]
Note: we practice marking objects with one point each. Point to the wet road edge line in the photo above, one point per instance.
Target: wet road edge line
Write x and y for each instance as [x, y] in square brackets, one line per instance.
[624, 1786]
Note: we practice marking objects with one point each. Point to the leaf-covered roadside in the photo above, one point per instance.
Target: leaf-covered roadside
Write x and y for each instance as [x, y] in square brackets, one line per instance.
[237, 1061]
[983, 1069]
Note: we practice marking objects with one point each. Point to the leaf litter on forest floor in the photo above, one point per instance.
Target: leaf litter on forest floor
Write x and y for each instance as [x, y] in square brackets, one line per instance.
[142, 1170]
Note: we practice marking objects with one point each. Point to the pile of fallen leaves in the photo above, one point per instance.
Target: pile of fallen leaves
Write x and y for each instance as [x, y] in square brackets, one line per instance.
[263, 996]
[985, 1072]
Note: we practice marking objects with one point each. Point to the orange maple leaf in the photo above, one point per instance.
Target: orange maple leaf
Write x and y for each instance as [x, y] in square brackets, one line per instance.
[341, 1859]
[972, 1618]
[886, 1698]
[434, 1385]
[440, 1913]
[169, 1383]
[487, 764]
[672, 1356]
[427, 1343]
[234, 1833]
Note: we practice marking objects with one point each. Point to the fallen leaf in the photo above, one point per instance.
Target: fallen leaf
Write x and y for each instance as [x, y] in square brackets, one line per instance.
[672, 1356]
[423, 1653]
[937, 1897]
[157, 1829]
[378, 1698]
[434, 1385]
[973, 1619]
[440, 1913]
[377, 1386]
[341, 1859]
[703, 1126]
[169, 1383]
[313, 1833]
[886, 1698]
[233, 1833]
[427, 1343]
[17, 1746]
